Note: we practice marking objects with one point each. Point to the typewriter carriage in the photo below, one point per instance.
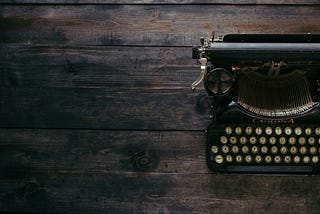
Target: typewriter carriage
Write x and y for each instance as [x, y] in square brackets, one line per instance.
[283, 75]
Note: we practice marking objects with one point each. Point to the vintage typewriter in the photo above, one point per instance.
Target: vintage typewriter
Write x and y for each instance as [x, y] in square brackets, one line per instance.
[265, 91]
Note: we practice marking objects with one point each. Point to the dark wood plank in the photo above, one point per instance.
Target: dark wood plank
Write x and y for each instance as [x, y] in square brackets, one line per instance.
[79, 192]
[234, 2]
[101, 109]
[174, 25]
[98, 67]
[154, 68]
[101, 151]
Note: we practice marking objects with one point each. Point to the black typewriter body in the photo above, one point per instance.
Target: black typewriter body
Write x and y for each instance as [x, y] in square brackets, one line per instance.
[265, 91]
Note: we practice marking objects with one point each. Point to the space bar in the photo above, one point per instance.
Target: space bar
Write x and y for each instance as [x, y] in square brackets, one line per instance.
[270, 169]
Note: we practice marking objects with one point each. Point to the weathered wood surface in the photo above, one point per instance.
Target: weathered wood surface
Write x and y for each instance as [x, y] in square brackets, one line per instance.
[97, 115]
[87, 171]
[121, 68]
[101, 109]
[102, 151]
[156, 25]
[234, 2]
[83, 192]
[74, 171]
[100, 88]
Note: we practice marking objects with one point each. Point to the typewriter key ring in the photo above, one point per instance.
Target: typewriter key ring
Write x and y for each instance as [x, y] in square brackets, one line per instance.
[218, 81]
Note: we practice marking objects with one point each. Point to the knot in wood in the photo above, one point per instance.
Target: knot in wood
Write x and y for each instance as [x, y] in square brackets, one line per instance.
[30, 188]
[141, 161]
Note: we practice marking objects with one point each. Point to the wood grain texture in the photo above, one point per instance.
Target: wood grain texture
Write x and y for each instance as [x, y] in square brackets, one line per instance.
[233, 2]
[98, 67]
[80, 192]
[155, 25]
[97, 115]
[102, 151]
[85, 171]
[101, 109]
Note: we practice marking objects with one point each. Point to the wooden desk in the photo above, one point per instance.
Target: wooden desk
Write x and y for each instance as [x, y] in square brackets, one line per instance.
[97, 114]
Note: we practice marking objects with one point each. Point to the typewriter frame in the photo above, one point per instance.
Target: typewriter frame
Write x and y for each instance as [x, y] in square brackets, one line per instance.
[225, 53]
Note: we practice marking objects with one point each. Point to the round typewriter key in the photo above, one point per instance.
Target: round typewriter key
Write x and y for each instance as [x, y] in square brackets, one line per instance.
[238, 130]
[229, 158]
[253, 140]
[268, 130]
[283, 150]
[214, 149]
[272, 140]
[235, 149]
[258, 158]
[245, 149]
[292, 140]
[218, 159]
[293, 150]
[313, 150]
[288, 131]
[268, 159]
[262, 140]
[223, 139]
[296, 159]
[306, 159]
[264, 149]
[287, 159]
[248, 130]
[298, 131]
[303, 150]
[282, 140]
[243, 140]
[274, 150]
[228, 130]
[317, 131]
[278, 131]
[258, 130]
[302, 140]
[225, 149]
[233, 140]
[239, 158]
[311, 140]
[315, 159]
[307, 131]
[255, 149]
[277, 159]
[248, 159]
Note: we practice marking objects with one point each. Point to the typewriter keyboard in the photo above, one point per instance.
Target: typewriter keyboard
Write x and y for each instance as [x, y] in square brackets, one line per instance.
[266, 148]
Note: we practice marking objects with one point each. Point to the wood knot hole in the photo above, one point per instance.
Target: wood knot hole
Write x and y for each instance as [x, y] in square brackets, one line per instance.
[142, 161]
[30, 188]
